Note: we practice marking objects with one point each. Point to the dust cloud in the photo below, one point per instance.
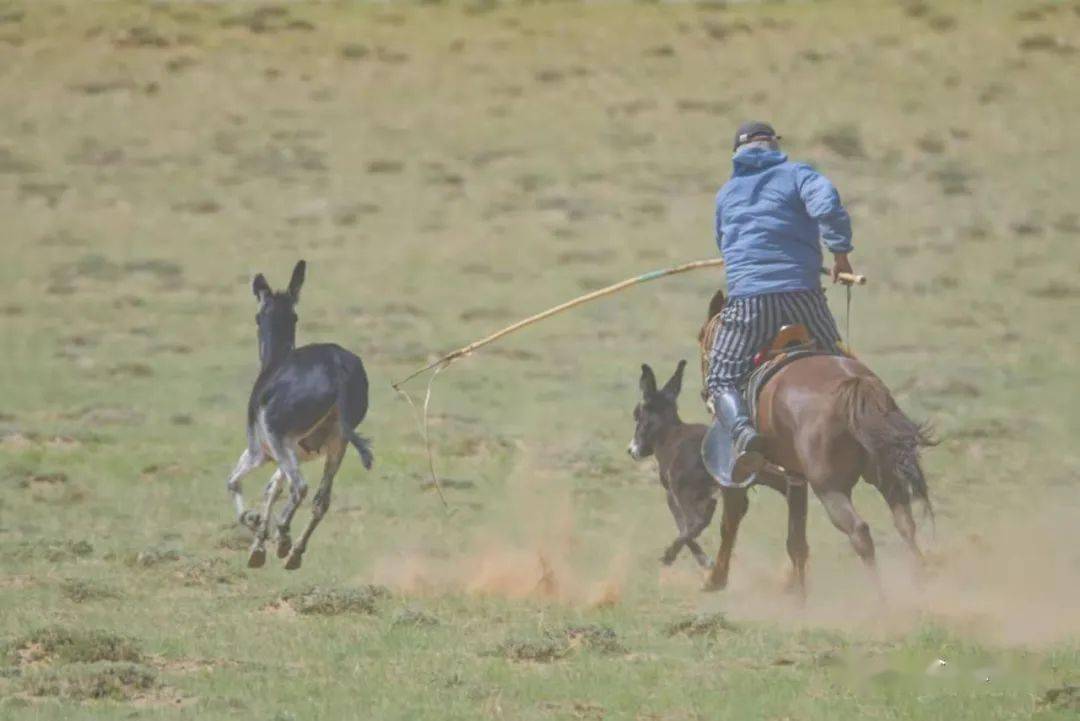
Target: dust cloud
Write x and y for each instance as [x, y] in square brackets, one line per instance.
[1013, 581]
[533, 549]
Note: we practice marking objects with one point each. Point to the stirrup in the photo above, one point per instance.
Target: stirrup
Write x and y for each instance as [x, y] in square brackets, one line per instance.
[746, 467]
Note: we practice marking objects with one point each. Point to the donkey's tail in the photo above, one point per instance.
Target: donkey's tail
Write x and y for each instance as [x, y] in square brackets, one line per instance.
[890, 438]
[363, 446]
[352, 407]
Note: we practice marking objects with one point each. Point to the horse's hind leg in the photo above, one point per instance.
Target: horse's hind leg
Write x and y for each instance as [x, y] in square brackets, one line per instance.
[319, 505]
[736, 504]
[248, 462]
[797, 547]
[899, 500]
[257, 557]
[844, 516]
[905, 525]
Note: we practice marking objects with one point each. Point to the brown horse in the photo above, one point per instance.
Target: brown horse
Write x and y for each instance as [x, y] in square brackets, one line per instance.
[830, 421]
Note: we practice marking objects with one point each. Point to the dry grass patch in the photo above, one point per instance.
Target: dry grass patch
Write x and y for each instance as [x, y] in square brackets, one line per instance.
[54, 551]
[326, 601]
[84, 665]
[81, 590]
[117, 681]
[55, 644]
[209, 571]
[414, 618]
[156, 555]
[1062, 698]
[708, 624]
[554, 645]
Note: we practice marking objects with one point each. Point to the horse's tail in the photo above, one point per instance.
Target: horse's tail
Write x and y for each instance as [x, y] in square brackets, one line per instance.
[890, 438]
[352, 407]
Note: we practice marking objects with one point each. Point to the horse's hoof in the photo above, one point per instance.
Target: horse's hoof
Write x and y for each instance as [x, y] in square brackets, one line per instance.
[711, 585]
[257, 557]
[667, 560]
[797, 592]
[284, 545]
[295, 559]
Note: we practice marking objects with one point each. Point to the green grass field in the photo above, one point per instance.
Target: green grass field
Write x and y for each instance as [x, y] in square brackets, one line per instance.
[446, 169]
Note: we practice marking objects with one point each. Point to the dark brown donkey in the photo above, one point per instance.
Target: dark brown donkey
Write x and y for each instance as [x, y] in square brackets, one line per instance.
[830, 421]
[691, 491]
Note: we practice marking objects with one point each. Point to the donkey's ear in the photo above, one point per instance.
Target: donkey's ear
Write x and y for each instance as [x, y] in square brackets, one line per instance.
[260, 287]
[297, 280]
[648, 381]
[674, 385]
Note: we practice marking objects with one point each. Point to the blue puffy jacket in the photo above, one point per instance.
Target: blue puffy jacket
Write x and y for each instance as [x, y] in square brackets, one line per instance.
[769, 218]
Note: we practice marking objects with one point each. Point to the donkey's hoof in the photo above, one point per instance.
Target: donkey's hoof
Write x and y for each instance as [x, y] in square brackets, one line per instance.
[295, 559]
[284, 545]
[667, 559]
[257, 557]
[250, 519]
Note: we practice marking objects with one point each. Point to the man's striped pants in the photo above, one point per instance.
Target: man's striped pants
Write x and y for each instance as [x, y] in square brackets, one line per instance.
[749, 323]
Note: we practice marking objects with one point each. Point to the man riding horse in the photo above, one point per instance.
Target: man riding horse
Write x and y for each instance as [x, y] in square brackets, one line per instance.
[771, 218]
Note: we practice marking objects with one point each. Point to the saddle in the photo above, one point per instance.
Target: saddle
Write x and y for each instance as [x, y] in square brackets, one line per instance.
[791, 343]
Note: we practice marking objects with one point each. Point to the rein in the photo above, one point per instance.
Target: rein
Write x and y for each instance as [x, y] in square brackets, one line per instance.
[847, 316]
[848, 279]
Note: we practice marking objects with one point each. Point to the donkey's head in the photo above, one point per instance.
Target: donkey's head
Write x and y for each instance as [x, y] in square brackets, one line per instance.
[656, 413]
[277, 315]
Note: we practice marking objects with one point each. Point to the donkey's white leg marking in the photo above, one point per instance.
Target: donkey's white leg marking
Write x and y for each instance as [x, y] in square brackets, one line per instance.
[320, 504]
[287, 461]
[248, 462]
[270, 496]
[257, 557]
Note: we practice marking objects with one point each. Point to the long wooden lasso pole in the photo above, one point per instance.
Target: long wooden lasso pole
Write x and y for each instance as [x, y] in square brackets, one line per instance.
[622, 285]
[441, 364]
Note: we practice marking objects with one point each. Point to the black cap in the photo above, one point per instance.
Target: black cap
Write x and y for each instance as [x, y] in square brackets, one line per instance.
[754, 128]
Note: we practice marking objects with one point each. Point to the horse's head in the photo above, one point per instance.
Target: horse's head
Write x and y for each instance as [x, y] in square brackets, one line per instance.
[656, 413]
[277, 314]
